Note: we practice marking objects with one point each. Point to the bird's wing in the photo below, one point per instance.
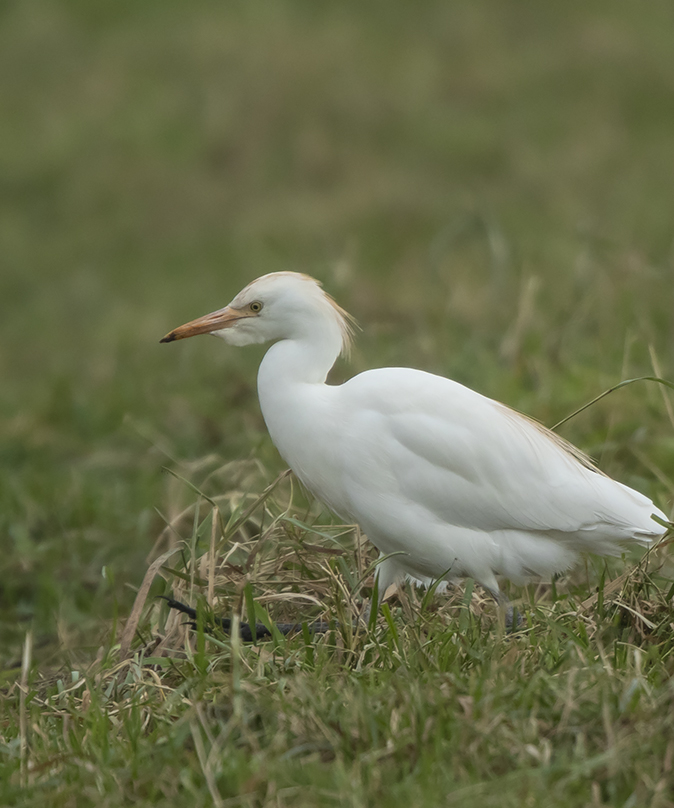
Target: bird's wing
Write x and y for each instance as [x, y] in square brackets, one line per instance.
[470, 461]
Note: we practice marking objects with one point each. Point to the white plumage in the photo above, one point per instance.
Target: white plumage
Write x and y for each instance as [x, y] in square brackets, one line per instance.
[453, 482]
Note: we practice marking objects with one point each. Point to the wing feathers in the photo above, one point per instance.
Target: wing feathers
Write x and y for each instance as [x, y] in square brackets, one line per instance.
[470, 461]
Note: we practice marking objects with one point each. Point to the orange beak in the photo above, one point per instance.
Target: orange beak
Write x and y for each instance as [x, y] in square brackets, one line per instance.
[215, 321]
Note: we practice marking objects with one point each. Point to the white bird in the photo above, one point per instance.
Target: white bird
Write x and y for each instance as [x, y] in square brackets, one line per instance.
[445, 482]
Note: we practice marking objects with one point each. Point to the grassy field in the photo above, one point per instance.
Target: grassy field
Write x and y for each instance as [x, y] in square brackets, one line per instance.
[487, 186]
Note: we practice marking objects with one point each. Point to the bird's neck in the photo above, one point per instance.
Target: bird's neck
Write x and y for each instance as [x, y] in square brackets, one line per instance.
[295, 401]
[305, 359]
[292, 390]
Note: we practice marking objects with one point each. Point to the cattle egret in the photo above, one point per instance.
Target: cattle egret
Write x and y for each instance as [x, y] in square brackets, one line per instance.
[445, 482]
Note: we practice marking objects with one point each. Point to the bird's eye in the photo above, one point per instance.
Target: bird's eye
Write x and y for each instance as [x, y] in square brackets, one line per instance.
[255, 306]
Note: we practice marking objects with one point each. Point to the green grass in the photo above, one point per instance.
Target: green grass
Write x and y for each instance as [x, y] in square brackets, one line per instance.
[486, 186]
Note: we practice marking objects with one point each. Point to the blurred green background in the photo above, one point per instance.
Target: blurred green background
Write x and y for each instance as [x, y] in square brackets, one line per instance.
[486, 185]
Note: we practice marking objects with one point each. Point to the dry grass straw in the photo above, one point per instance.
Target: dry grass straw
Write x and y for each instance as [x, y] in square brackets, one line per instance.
[23, 714]
[139, 603]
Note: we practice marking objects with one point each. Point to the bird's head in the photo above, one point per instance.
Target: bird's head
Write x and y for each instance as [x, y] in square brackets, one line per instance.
[281, 305]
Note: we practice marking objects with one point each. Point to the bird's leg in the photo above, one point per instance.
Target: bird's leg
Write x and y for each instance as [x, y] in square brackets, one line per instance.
[245, 630]
[385, 574]
[510, 623]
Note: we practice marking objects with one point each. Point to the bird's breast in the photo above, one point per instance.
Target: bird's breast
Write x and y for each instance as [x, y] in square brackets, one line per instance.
[306, 427]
